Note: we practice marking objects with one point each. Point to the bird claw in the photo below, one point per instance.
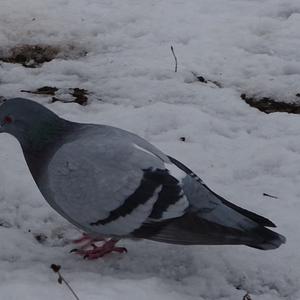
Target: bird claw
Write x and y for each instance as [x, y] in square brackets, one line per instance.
[97, 251]
[101, 251]
[84, 238]
[120, 250]
[74, 250]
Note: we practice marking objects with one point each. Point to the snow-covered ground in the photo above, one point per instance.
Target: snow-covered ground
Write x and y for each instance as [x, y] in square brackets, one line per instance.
[241, 153]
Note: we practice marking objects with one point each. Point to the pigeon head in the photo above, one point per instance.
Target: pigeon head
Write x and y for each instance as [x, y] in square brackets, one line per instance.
[31, 123]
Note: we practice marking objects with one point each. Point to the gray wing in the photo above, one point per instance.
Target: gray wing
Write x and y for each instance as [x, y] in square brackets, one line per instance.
[211, 220]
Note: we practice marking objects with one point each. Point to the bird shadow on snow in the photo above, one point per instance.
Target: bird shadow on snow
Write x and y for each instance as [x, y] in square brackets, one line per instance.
[199, 271]
[206, 271]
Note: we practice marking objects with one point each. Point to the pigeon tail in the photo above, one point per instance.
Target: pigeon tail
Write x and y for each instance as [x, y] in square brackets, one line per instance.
[268, 239]
[192, 230]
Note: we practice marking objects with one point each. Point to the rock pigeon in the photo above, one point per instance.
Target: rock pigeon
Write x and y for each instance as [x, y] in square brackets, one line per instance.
[113, 184]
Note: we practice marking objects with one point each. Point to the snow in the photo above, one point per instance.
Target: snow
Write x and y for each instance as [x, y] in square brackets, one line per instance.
[239, 152]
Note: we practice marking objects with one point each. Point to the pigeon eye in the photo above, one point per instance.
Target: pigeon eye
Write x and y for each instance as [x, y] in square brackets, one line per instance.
[8, 120]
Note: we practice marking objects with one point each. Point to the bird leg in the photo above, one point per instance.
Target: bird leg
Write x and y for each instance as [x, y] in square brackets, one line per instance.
[83, 238]
[106, 247]
[87, 240]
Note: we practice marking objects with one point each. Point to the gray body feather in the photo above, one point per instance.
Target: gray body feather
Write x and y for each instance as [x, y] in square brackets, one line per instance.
[110, 182]
[92, 174]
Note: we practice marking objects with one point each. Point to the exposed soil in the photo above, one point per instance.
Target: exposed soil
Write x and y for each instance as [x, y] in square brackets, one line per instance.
[34, 56]
[80, 95]
[269, 105]
[202, 79]
[30, 56]
[45, 90]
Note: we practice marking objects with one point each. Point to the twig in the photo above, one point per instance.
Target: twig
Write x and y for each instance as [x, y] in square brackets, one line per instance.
[61, 279]
[172, 49]
[268, 195]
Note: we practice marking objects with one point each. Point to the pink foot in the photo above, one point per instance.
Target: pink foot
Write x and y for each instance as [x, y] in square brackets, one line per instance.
[107, 247]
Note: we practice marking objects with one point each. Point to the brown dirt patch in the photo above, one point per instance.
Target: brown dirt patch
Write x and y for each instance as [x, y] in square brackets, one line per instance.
[30, 56]
[269, 105]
